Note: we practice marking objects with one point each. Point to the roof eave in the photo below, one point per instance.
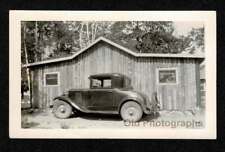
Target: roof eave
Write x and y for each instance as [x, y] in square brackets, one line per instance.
[118, 46]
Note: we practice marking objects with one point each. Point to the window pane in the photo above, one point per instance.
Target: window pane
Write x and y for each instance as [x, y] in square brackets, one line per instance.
[51, 79]
[96, 83]
[167, 76]
[107, 83]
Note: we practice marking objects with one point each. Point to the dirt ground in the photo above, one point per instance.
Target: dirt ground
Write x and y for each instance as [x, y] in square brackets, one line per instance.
[166, 119]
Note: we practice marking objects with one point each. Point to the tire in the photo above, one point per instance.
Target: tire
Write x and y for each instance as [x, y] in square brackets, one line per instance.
[61, 109]
[131, 111]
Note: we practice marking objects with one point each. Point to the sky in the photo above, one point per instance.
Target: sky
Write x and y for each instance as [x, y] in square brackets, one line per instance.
[182, 28]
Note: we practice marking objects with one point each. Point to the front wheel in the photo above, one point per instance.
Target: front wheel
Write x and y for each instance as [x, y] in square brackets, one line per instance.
[61, 109]
[131, 111]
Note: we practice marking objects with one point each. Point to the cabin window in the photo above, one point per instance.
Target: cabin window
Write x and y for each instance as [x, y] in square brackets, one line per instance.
[167, 76]
[51, 79]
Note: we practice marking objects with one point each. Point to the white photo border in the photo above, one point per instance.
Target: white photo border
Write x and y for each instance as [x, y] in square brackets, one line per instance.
[15, 18]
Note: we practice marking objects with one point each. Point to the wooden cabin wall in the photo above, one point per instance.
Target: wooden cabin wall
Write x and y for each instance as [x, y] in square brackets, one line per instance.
[104, 58]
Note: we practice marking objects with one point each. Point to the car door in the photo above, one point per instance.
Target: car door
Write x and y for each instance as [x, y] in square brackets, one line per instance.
[101, 99]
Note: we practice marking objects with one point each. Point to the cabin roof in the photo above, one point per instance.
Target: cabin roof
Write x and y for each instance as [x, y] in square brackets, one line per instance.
[153, 55]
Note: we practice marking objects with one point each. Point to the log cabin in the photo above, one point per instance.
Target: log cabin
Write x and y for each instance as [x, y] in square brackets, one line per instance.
[175, 77]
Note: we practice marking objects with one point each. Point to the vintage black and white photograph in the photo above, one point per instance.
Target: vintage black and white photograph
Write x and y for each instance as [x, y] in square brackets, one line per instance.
[105, 74]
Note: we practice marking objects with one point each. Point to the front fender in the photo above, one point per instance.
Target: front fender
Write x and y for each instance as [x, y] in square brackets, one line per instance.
[67, 100]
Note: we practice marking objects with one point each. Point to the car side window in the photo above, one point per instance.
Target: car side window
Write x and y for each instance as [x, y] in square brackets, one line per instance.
[96, 83]
[107, 83]
[101, 83]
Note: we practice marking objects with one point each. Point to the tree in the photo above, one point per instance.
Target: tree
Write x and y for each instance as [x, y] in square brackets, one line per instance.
[25, 53]
[196, 41]
[91, 30]
[157, 42]
[52, 39]
[148, 36]
[29, 42]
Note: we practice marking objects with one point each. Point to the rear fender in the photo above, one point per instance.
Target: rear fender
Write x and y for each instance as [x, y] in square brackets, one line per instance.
[67, 100]
[137, 100]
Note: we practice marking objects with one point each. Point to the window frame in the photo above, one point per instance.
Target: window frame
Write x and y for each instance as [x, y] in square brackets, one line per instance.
[167, 69]
[58, 79]
[102, 81]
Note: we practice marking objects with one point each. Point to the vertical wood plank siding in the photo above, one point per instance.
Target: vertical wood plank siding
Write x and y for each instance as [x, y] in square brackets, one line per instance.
[104, 58]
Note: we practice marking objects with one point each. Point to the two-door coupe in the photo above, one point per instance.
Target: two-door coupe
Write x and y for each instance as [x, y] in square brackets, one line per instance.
[109, 93]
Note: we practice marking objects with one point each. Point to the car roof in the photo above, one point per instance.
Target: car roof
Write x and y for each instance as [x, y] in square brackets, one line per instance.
[104, 75]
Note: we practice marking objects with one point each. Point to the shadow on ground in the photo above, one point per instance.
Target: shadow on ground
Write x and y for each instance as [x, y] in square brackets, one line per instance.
[150, 117]
[110, 117]
[98, 117]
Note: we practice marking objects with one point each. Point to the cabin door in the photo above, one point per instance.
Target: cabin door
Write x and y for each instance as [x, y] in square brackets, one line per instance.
[167, 88]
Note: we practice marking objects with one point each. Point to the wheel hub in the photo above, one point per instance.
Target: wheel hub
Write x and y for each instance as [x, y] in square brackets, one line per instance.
[62, 109]
[131, 111]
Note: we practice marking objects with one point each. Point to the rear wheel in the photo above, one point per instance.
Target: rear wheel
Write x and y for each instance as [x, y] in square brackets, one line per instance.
[61, 109]
[131, 111]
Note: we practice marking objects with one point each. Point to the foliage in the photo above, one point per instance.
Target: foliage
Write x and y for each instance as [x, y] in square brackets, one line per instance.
[42, 40]
[55, 38]
[196, 41]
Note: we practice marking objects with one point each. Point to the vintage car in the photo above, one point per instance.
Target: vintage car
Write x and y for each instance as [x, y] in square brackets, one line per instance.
[109, 93]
